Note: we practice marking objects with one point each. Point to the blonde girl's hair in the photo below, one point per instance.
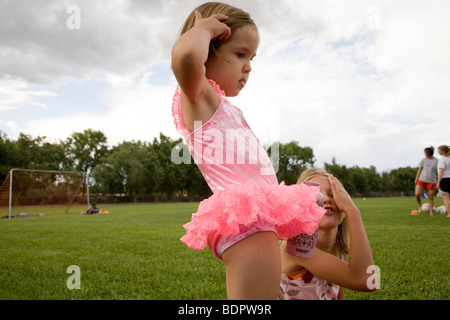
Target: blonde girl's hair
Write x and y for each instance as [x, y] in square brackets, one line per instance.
[445, 149]
[343, 236]
[236, 18]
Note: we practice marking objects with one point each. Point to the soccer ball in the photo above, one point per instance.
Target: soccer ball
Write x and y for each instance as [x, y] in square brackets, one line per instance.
[425, 207]
[441, 210]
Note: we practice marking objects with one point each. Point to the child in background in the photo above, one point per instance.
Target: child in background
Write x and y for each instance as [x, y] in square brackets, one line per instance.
[248, 211]
[443, 181]
[426, 178]
[325, 275]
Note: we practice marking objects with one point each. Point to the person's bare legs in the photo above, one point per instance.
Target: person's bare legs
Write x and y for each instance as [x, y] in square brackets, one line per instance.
[431, 200]
[253, 268]
[446, 198]
[418, 192]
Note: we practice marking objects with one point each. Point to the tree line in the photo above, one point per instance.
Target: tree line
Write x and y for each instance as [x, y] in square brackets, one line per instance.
[144, 171]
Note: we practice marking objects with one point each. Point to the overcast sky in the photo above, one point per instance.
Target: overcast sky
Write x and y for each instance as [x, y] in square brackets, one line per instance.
[366, 82]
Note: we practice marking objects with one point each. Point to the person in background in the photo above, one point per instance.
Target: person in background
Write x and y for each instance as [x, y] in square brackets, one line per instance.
[322, 278]
[443, 181]
[426, 178]
[93, 209]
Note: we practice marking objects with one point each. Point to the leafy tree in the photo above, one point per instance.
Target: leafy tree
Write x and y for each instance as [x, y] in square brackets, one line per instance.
[141, 168]
[342, 173]
[31, 153]
[292, 161]
[402, 179]
[373, 178]
[8, 155]
[86, 149]
[53, 157]
[30, 156]
[124, 170]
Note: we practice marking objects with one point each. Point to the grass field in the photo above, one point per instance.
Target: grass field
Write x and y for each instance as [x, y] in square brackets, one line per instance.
[135, 253]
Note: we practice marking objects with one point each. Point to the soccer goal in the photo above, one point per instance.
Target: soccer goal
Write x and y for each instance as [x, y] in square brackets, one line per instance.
[27, 192]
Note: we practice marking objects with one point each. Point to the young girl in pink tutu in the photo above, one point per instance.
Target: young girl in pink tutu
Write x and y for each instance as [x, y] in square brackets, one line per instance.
[248, 211]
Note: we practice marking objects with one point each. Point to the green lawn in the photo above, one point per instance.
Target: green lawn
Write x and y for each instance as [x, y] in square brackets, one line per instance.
[135, 253]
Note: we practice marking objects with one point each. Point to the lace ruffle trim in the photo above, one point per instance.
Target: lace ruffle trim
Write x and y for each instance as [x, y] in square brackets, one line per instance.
[176, 107]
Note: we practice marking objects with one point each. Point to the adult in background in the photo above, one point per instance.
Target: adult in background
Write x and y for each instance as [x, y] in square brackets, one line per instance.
[443, 181]
[426, 178]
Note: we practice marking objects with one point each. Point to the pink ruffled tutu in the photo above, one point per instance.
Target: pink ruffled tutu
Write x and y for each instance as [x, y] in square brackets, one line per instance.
[292, 210]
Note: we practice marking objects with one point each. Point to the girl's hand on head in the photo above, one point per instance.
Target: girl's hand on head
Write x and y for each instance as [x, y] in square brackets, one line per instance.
[340, 195]
[213, 24]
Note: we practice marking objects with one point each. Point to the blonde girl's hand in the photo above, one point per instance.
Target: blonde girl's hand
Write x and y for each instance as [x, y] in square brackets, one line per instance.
[340, 195]
[213, 24]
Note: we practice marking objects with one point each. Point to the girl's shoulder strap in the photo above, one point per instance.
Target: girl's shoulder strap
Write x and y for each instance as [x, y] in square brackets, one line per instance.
[176, 107]
[220, 93]
[176, 113]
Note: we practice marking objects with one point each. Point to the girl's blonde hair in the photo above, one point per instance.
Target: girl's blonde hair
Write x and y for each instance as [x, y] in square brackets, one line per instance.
[445, 149]
[236, 18]
[343, 236]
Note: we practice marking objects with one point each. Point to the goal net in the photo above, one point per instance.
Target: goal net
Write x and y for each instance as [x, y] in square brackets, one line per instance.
[27, 192]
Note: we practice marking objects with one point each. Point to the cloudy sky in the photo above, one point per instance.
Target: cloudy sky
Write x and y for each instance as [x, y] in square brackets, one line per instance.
[366, 82]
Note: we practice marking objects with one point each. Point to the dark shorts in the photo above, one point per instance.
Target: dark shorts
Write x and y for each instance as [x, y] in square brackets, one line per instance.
[444, 185]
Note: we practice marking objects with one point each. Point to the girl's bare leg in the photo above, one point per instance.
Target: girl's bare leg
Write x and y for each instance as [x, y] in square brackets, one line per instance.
[418, 192]
[431, 200]
[253, 268]
[446, 198]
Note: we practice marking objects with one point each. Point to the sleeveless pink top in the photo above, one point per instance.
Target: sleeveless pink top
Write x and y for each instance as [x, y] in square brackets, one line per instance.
[224, 148]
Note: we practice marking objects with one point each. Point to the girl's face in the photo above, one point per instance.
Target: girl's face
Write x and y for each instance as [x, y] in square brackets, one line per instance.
[333, 216]
[230, 69]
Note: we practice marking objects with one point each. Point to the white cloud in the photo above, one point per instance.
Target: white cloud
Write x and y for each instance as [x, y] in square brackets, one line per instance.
[14, 94]
[117, 37]
[11, 124]
[140, 112]
[137, 111]
[365, 81]
[367, 73]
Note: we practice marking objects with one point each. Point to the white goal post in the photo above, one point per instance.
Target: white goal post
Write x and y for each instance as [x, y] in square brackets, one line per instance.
[29, 188]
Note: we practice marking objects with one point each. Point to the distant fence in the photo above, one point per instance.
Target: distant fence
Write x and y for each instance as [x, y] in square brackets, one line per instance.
[157, 197]
[162, 197]
[383, 194]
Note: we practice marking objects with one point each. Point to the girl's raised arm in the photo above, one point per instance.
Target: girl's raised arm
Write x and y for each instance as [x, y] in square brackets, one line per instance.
[190, 53]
